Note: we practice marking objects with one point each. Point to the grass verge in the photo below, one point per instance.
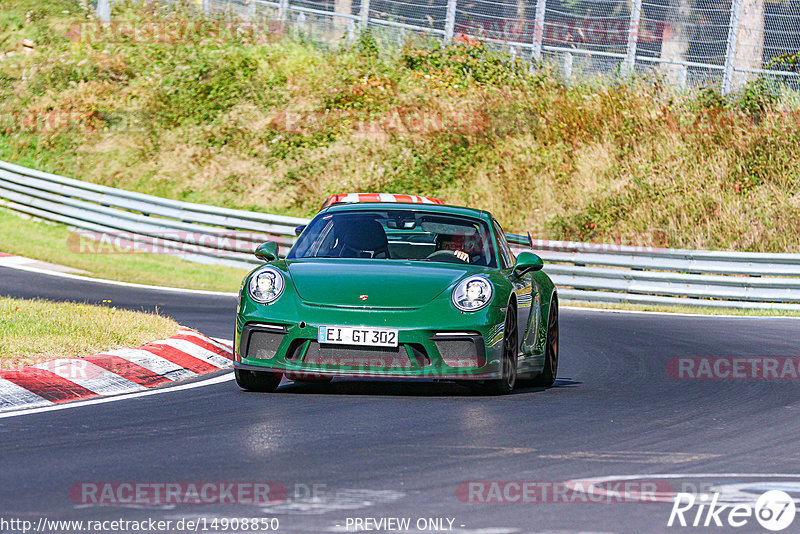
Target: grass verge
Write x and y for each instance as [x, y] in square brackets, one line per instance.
[49, 242]
[33, 331]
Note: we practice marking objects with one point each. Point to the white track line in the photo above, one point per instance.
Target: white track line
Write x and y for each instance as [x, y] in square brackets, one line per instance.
[676, 314]
[664, 497]
[102, 400]
[115, 282]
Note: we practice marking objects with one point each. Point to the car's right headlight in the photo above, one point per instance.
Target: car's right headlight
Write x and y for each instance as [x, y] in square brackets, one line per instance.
[473, 294]
[266, 285]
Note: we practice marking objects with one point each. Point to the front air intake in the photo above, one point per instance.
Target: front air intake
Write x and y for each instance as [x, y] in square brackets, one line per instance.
[262, 341]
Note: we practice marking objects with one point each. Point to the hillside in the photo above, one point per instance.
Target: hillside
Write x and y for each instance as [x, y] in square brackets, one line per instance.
[266, 121]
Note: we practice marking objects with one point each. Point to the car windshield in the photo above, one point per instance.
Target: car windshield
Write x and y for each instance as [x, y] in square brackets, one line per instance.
[397, 235]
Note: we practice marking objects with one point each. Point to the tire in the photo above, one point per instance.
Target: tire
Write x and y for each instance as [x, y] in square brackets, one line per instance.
[255, 381]
[550, 371]
[506, 383]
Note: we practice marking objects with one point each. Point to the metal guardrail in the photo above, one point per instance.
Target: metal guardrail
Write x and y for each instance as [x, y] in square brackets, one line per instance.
[196, 232]
[583, 271]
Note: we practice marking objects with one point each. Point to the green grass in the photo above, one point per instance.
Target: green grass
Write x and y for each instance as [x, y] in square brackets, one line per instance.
[51, 242]
[278, 126]
[33, 331]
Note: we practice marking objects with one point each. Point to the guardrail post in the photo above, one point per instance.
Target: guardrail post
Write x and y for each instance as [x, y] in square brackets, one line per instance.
[364, 14]
[538, 30]
[252, 14]
[633, 38]
[104, 10]
[733, 38]
[450, 21]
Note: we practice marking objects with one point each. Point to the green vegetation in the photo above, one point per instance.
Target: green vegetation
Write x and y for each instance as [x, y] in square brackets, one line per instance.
[33, 331]
[53, 243]
[240, 119]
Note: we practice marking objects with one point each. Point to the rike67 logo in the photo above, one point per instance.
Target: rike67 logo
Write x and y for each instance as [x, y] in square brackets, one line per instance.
[774, 510]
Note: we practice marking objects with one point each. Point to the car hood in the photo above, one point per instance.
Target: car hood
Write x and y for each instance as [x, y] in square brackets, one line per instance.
[385, 283]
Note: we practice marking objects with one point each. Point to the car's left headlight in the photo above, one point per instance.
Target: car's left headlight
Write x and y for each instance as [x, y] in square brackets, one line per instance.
[266, 285]
[473, 294]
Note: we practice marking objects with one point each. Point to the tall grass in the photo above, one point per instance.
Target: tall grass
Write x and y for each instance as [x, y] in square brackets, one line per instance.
[254, 122]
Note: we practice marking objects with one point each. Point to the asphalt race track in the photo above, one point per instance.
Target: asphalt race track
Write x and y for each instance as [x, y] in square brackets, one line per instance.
[391, 449]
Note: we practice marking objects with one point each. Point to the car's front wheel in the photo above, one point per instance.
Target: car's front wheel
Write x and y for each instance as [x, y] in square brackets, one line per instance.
[256, 381]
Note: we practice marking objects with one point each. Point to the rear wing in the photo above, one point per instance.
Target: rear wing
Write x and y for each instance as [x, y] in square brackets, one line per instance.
[522, 240]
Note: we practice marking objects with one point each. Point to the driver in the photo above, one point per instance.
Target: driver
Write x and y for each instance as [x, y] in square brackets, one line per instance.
[461, 246]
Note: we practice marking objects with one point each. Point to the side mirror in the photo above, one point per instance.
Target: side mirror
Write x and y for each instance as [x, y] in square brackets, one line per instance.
[299, 229]
[527, 261]
[267, 251]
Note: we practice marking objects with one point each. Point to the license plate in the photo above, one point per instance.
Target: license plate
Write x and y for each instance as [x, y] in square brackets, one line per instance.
[357, 335]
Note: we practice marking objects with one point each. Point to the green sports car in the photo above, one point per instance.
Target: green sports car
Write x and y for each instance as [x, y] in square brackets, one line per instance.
[396, 289]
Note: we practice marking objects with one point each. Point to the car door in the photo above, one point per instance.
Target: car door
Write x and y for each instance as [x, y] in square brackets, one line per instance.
[524, 289]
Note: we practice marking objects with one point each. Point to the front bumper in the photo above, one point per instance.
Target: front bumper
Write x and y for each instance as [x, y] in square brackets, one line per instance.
[466, 346]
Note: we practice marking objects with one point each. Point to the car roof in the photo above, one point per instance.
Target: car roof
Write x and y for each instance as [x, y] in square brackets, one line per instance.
[432, 208]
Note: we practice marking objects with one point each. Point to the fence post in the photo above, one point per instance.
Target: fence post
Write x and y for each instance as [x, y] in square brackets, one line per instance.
[538, 30]
[283, 8]
[364, 14]
[104, 10]
[733, 38]
[450, 21]
[633, 38]
[683, 74]
[252, 14]
[567, 66]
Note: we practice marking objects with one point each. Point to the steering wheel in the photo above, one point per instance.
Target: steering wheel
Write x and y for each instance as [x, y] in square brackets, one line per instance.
[447, 256]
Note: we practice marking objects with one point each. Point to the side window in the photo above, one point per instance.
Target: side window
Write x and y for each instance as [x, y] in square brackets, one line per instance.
[506, 255]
